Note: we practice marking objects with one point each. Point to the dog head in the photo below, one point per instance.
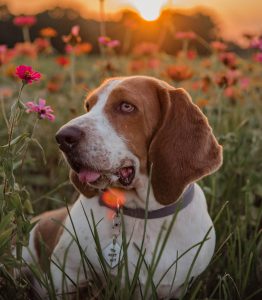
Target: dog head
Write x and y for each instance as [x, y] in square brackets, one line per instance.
[132, 123]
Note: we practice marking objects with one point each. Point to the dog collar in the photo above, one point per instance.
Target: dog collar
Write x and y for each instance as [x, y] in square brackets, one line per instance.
[168, 210]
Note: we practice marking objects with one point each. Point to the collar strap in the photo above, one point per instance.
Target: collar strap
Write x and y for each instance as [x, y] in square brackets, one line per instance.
[168, 210]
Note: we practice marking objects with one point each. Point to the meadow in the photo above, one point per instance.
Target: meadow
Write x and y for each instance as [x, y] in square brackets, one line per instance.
[34, 176]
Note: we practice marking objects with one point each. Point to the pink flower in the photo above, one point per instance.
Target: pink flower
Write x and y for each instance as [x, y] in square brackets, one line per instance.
[256, 43]
[153, 63]
[27, 74]
[113, 43]
[73, 38]
[106, 41]
[185, 35]
[24, 21]
[103, 40]
[3, 49]
[218, 46]
[258, 57]
[43, 111]
[244, 83]
[228, 58]
[75, 30]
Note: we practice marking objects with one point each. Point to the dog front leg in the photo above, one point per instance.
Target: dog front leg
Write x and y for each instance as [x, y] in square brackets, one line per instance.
[66, 270]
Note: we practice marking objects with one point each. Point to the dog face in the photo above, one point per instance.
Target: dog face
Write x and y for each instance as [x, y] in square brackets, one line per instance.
[135, 122]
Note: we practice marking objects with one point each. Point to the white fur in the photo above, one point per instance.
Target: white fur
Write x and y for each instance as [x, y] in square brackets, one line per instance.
[190, 228]
[102, 148]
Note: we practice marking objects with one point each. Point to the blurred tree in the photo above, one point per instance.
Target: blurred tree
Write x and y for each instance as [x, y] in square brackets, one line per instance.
[130, 29]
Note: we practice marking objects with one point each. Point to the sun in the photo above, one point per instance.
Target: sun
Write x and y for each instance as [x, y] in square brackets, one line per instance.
[149, 9]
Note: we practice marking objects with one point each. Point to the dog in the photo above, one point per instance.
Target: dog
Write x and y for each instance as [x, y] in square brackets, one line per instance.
[146, 138]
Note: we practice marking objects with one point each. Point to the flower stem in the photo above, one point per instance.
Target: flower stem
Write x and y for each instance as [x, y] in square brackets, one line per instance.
[26, 34]
[11, 128]
[13, 116]
[72, 69]
[25, 152]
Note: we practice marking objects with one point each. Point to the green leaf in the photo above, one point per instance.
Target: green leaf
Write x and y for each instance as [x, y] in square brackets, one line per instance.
[15, 201]
[41, 148]
[8, 170]
[17, 140]
[28, 208]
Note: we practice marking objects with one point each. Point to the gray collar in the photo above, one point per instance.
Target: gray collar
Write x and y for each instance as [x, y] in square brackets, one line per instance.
[168, 210]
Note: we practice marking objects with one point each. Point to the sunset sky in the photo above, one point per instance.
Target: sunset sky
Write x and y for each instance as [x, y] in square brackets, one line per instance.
[234, 16]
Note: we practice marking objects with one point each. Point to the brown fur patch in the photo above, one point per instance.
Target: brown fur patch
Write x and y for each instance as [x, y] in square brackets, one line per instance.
[138, 127]
[184, 149]
[47, 233]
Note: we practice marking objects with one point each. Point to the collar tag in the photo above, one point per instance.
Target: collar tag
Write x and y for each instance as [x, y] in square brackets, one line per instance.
[112, 255]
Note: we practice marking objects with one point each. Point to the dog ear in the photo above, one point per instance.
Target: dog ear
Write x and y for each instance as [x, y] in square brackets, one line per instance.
[82, 188]
[183, 149]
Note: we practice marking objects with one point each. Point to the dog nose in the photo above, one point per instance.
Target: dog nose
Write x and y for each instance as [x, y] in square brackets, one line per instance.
[69, 137]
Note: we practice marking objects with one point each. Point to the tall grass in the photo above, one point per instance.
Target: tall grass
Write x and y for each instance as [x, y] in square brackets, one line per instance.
[234, 193]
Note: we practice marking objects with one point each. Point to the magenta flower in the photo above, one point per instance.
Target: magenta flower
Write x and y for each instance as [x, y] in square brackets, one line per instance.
[24, 21]
[43, 111]
[27, 74]
[3, 49]
[106, 41]
[256, 43]
[258, 57]
[103, 40]
[75, 30]
[185, 35]
[113, 44]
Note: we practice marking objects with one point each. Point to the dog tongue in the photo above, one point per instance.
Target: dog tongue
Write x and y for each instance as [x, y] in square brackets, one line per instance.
[88, 176]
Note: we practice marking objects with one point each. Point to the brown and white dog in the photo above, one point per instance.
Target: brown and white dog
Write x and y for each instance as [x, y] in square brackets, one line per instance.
[131, 123]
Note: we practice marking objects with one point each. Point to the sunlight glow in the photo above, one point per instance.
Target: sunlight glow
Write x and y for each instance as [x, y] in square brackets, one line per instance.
[149, 9]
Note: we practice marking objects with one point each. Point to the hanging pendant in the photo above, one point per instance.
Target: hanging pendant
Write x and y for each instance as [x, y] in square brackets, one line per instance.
[111, 254]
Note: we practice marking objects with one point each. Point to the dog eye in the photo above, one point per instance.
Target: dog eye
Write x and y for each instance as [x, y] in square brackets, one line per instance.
[126, 107]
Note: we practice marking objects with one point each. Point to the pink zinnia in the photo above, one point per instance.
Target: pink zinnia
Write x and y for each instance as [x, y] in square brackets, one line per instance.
[219, 46]
[256, 43]
[258, 57]
[3, 49]
[185, 35]
[43, 111]
[24, 20]
[27, 74]
[75, 30]
[104, 40]
[113, 43]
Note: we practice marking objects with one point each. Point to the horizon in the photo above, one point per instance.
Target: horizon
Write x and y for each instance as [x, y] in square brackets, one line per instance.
[232, 17]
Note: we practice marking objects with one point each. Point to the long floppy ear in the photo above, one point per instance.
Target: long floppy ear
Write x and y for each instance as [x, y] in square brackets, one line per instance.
[82, 188]
[183, 149]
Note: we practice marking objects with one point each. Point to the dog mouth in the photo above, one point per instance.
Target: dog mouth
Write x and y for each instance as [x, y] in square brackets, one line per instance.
[124, 175]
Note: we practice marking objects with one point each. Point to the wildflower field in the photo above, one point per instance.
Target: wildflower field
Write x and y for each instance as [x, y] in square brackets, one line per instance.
[41, 89]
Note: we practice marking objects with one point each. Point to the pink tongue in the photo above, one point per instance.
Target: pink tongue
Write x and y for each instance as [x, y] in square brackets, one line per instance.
[88, 176]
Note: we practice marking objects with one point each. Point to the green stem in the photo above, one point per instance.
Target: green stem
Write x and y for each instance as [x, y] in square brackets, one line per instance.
[26, 34]
[11, 129]
[13, 116]
[26, 148]
[72, 69]
[3, 111]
